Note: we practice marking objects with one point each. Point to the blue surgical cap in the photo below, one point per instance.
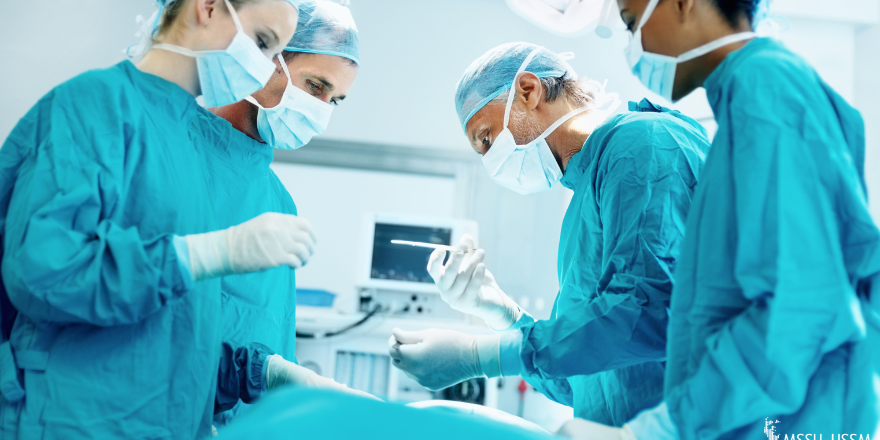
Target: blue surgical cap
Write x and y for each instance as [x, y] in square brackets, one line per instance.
[327, 28]
[494, 72]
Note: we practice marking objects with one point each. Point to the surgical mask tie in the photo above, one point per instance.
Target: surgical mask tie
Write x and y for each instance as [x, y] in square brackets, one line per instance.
[657, 72]
[230, 75]
[528, 168]
[295, 120]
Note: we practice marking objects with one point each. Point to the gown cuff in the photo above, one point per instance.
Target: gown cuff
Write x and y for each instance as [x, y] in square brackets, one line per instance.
[510, 347]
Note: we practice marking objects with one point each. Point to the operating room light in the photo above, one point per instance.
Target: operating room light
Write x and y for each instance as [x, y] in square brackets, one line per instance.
[568, 18]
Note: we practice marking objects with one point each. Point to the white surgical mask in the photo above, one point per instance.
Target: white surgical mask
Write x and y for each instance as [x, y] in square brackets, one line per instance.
[295, 120]
[657, 72]
[230, 75]
[528, 168]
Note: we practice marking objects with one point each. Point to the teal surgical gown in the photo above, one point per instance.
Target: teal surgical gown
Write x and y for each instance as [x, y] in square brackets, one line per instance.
[770, 315]
[112, 337]
[302, 413]
[258, 307]
[603, 348]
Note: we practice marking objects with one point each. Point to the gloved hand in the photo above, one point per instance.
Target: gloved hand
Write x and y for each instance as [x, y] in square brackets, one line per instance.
[438, 359]
[581, 429]
[281, 372]
[467, 286]
[267, 241]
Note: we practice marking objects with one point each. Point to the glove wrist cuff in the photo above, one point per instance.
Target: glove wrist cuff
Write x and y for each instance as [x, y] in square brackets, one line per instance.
[208, 255]
[488, 353]
[511, 316]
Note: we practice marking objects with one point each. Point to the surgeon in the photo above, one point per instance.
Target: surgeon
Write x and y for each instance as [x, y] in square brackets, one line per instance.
[523, 108]
[110, 252]
[313, 74]
[771, 328]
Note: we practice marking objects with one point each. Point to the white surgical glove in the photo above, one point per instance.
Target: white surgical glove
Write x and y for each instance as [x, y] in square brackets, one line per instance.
[267, 241]
[467, 286]
[580, 429]
[438, 359]
[281, 372]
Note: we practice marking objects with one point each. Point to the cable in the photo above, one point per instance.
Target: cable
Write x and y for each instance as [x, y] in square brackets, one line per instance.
[361, 322]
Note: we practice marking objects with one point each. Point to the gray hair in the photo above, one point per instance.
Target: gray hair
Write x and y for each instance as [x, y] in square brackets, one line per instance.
[582, 92]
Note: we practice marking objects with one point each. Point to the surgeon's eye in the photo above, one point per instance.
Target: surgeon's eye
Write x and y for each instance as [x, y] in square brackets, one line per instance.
[334, 101]
[630, 26]
[261, 43]
[486, 144]
[314, 88]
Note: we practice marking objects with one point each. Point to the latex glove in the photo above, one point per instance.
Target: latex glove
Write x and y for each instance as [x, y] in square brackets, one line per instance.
[267, 241]
[467, 286]
[281, 372]
[581, 429]
[438, 359]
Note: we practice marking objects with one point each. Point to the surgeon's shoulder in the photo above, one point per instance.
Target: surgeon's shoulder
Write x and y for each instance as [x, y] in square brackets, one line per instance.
[643, 133]
[99, 91]
[767, 72]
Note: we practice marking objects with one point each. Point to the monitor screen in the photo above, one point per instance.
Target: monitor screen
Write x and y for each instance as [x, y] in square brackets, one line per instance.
[396, 262]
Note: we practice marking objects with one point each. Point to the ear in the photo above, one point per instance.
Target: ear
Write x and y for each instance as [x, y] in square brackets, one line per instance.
[529, 90]
[205, 10]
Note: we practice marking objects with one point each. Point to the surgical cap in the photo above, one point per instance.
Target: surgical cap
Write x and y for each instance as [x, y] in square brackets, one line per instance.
[327, 28]
[494, 72]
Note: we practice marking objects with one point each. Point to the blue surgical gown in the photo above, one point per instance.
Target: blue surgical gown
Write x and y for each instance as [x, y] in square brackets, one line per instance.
[770, 317]
[603, 349]
[112, 337]
[302, 413]
[257, 307]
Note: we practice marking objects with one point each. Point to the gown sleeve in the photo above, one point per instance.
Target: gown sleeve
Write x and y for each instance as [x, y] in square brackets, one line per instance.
[624, 323]
[241, 374]
[788, 175]
[65, 259]
[556, 389]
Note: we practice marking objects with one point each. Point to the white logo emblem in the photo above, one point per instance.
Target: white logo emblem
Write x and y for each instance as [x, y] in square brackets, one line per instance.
[770, 429]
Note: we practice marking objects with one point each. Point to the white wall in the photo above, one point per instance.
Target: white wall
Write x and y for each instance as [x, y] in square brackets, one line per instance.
[45, 42]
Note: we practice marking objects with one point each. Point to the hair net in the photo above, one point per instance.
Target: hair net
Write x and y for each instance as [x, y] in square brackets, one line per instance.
[147, 27]
[494, 73]
[327, 28]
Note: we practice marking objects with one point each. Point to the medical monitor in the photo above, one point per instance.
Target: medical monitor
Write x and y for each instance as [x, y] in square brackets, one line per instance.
[400, 267]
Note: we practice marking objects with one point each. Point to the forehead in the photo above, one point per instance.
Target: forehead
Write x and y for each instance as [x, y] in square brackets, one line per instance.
[338, 70]
[281, 14]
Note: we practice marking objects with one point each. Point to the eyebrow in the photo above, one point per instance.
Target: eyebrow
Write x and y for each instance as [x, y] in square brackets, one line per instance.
[326, 83]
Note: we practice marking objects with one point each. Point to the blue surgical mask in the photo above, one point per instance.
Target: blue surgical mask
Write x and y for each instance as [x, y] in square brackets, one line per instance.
[657, 72]
[295, 120]
[230, 75]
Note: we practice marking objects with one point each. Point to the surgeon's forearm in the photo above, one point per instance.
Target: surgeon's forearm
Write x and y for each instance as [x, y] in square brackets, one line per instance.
[612, 331]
